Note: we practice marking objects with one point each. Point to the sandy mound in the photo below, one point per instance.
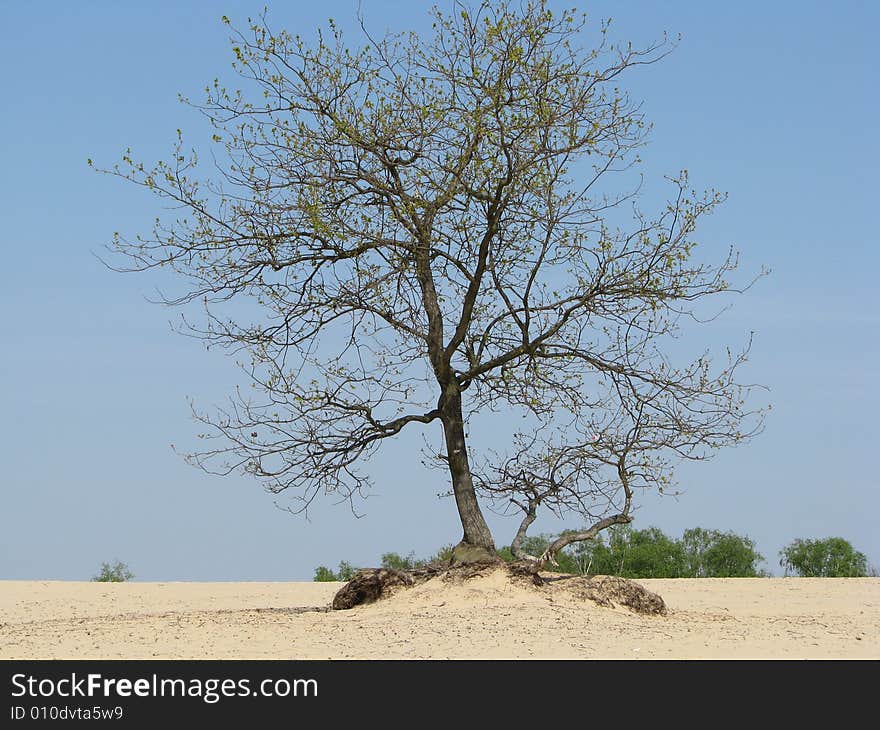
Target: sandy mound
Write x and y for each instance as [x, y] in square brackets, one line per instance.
[610, 592]
[512, 582]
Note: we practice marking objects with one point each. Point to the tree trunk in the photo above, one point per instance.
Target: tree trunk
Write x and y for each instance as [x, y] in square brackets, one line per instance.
[477, 543]
[520, 537]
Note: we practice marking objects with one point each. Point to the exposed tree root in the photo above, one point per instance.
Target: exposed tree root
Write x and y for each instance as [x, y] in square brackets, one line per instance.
[372, 584]
[611, 591]
[369, 585]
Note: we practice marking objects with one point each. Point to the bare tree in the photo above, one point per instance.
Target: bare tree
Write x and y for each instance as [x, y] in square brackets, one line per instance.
[427, 230]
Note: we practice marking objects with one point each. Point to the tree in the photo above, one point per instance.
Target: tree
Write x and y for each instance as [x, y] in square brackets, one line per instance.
[431, 228]
[715, 554]
[832, 557]
[117, 572]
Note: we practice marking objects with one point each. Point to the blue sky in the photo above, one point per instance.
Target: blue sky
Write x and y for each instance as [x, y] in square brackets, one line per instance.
[775, 103]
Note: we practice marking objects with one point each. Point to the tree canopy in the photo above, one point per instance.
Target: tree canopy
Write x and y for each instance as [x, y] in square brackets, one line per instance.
[832, 557]
[430, 228]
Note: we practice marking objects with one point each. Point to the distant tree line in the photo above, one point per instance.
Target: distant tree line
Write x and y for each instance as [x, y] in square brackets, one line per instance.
[649, 553]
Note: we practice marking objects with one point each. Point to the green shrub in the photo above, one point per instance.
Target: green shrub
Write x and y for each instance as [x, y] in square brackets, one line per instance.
[394, 561]
[323, 574]
[344, 573]
[443, 555]
[714, 554]
[832, 557]
[117, 572]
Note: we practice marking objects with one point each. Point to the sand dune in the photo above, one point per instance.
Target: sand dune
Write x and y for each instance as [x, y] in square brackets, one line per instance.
[486, 617]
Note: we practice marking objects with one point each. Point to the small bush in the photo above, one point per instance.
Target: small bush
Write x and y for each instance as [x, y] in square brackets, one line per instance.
[395, 561]
[443, 555]
[323, 574]
[344, 573]
[117, 572]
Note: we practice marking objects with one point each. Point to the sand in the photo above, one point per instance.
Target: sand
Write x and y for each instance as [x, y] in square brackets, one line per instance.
[485, 618]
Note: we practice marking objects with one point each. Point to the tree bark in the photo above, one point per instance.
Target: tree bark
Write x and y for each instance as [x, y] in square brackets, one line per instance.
[476, 543]
[531, 515]
[569, 537]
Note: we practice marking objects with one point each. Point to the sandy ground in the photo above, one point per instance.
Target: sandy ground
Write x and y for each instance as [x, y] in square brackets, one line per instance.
[487, 617]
